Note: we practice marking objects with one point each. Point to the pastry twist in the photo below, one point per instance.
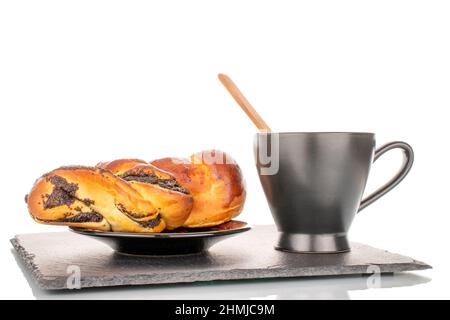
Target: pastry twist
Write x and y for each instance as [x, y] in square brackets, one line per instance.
[92, 198]
[215, 182]
[161, 189]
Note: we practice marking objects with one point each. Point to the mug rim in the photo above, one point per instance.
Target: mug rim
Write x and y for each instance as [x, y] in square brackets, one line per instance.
[317, 133]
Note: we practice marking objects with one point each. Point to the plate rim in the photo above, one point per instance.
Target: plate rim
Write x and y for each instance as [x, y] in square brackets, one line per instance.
[160, 235]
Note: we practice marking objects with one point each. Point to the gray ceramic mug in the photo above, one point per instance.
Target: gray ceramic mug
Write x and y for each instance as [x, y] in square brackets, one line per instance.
[314, 183]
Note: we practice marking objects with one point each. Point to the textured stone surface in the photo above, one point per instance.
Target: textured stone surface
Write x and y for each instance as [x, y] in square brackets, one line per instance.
[247, 256]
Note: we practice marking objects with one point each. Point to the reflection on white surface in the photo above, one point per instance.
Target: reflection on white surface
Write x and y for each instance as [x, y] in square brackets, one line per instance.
[293, 288]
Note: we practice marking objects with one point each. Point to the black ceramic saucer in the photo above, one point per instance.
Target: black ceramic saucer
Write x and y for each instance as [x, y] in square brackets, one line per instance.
[179, 241]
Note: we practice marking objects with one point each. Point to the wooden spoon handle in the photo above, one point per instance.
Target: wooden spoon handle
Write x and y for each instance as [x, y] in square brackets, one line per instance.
[243, 102]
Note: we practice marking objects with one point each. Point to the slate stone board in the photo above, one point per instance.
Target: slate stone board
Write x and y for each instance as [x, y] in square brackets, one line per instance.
[50, 258]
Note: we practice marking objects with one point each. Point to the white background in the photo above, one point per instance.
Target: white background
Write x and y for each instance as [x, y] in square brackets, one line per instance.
[85, 81]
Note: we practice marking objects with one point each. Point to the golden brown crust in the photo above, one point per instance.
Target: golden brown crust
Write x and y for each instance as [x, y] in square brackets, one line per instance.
[120, 166]
[215, 182]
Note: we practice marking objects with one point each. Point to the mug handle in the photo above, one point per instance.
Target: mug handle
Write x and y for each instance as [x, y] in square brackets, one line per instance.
[408, 160]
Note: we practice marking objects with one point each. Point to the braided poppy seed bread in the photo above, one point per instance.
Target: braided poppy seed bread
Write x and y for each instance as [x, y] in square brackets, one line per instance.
[215, 182]
[131, 195]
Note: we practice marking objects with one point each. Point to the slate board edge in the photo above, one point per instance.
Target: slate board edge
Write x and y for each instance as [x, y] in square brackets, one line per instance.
[28, 260]
[232, 275]
[236, 274]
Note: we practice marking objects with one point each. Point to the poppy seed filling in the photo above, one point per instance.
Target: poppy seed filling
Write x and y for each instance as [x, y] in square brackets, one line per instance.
[64, 193]
[80, 218]
[150, 223]
[133, 216]
[83, 217]
[170, 184]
